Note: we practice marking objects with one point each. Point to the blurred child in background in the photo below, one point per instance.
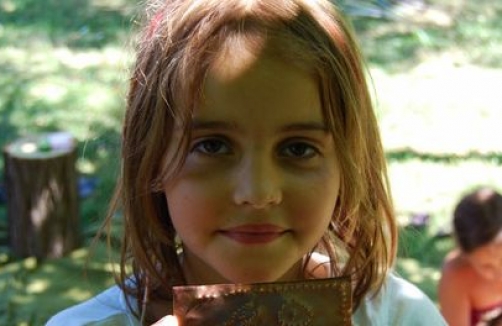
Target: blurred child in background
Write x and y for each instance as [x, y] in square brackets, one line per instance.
[470, 288]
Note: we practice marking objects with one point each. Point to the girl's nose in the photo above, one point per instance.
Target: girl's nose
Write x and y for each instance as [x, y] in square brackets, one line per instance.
[257, 183]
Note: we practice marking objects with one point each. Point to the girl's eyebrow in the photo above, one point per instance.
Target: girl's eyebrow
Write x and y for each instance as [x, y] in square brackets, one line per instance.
[306, 126]
[200, 125]
[300, 126]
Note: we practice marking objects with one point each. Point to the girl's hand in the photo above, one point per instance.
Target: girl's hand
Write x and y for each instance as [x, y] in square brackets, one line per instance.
[167, 321]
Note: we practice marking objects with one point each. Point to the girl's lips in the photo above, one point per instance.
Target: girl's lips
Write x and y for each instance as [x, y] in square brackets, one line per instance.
[254, 234]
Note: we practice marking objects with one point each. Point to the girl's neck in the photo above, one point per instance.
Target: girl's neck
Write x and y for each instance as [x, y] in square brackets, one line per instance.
[193, 275]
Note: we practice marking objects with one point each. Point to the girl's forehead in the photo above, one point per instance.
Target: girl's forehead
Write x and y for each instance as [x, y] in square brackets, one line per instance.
[232, 62]
[248, 89]
[250, 78]
[242, 50]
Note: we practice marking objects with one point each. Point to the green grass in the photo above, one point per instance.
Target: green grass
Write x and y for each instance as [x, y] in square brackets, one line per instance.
[64, 66]
[33, 291]
[420, 254]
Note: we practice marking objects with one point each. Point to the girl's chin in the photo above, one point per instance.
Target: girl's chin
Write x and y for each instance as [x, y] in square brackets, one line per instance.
[488, 276]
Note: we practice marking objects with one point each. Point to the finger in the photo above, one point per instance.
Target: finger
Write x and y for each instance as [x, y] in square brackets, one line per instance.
[168, 320]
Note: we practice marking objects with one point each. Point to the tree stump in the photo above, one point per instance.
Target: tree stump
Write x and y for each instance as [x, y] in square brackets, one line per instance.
[42, 196]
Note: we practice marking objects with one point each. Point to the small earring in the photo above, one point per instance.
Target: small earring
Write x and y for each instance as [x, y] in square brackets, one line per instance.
[178, 243]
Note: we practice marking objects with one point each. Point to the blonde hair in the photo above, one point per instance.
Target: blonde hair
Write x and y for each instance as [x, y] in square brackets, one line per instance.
[180, 42]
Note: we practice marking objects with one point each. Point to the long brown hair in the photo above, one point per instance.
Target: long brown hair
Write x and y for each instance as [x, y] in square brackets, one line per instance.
[178, 45]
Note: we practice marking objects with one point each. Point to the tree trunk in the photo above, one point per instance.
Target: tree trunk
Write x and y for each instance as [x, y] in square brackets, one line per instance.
[42, 199]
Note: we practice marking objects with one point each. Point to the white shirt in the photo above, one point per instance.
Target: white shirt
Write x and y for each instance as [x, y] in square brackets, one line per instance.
[397, 303]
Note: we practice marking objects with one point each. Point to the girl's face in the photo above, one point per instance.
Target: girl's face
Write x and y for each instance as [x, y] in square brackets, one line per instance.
[261, 179]
[487, 260]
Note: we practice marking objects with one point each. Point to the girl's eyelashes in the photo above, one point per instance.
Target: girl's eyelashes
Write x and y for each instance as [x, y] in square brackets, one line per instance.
[211, 146]
[290, 149]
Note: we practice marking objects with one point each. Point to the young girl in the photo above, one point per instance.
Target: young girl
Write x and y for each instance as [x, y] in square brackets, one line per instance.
[251, 154]
[470, 289]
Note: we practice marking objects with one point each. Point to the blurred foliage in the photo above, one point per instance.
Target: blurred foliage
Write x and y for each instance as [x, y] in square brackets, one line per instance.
[63, 66]
[32, 290]
[420, 254]
[74, 23]
[414, 28]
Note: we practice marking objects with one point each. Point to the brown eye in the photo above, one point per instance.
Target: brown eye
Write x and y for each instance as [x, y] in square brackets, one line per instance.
[211, 146]
[300, 150]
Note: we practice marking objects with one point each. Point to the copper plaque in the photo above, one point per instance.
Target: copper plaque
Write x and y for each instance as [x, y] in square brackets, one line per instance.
[318, 302]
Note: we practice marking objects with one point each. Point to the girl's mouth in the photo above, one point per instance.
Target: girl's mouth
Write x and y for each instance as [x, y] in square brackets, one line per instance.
[254, 234]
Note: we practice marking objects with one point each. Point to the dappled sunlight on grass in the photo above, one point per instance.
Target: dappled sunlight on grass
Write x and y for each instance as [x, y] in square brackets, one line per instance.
[439, 108]
[4, 258]
[76, 295]
[108, 56]
[471, 27]
[425, 278]
[33, 291]
[78, 254]
[416, 273]
[421, 255]
[85, 93]
[37, 286]
[64, 66]
[45, 88]
[75, 23]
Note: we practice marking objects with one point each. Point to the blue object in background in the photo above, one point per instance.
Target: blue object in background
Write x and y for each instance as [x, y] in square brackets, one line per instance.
[86, 186]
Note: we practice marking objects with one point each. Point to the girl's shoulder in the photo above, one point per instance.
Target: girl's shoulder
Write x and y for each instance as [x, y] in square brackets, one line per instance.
[456, 271]
[398, 302]
[107, 308]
